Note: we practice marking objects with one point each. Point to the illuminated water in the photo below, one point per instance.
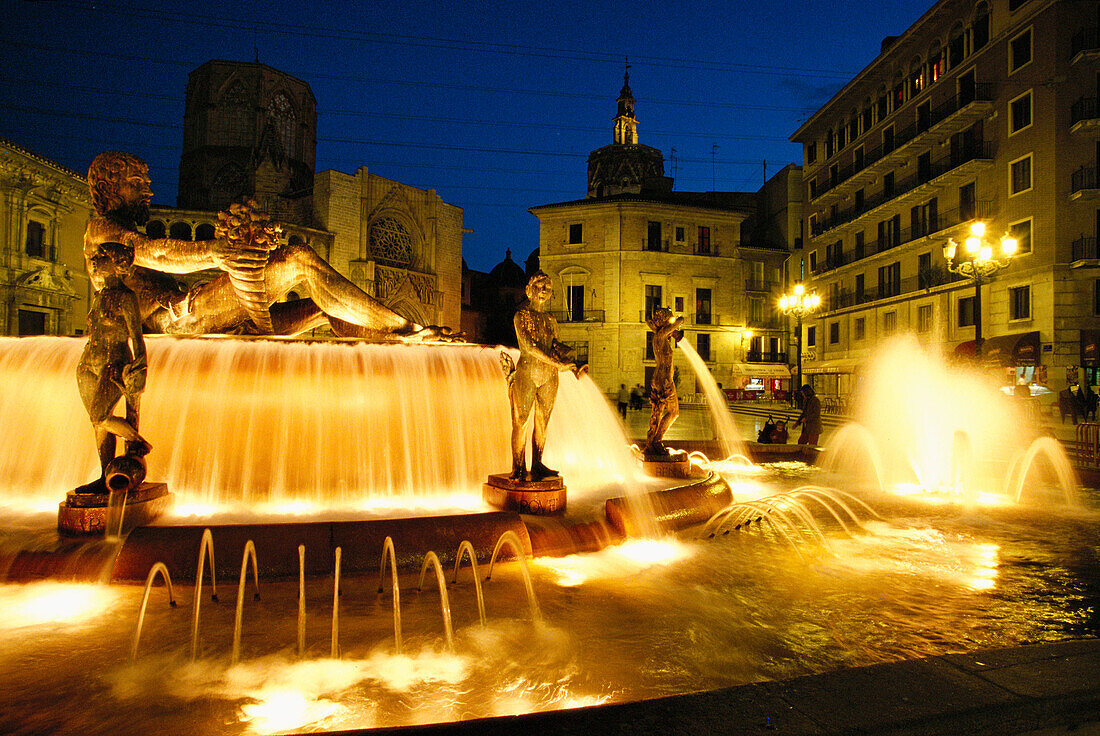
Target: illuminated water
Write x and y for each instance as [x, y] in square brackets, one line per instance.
[650, 619]
[270, 425]
[653, 617]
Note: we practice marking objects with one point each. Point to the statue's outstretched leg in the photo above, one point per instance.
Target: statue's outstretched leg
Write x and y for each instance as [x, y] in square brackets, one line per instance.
[544, 404]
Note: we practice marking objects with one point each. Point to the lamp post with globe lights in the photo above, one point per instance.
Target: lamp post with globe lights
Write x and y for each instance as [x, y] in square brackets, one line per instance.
[800, 304]
[980, 259]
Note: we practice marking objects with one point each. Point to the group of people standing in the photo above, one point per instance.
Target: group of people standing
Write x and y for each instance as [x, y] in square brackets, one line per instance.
[630, 398]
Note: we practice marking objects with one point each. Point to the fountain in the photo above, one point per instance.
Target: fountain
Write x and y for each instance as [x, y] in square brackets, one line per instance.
[312, 463]
[924, 427]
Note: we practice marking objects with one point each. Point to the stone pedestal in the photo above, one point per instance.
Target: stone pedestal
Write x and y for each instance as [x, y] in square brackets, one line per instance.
[673, 465]
[86, 513]
[540, 497]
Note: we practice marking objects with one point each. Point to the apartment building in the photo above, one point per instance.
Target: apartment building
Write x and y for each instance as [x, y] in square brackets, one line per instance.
[978, 112]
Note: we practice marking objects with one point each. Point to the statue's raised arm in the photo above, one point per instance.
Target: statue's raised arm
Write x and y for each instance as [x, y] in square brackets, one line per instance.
[258, 271]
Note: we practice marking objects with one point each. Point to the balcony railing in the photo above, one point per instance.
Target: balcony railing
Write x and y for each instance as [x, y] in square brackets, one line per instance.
[942, 221]
[847, 298]
[705, 318]
[767, 323]
[1084, 248]
[1084, 109]
[1086, 39]
[588, 315]
[983, 92]
[757, 356]
[1084, 178]
[759, 285]
[937, 168]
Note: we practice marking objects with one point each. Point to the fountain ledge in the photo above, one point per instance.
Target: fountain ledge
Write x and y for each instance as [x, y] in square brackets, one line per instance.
[277, 544]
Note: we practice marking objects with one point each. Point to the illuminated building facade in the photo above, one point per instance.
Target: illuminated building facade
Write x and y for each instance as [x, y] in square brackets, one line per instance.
[634, 244]
[43, 210]
[980, 111]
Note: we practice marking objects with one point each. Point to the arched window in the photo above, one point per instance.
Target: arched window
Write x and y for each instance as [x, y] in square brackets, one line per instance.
[936, 63]
[36, 239]
[281, 112]
[155, 229]
[390, 242]
[205, 231]
[180, 231]
[979, 35]
[956, 46]
[230, 185]
[916, 77]
[236, 114]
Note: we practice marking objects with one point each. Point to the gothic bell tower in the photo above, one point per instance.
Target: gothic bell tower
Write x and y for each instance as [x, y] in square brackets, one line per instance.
[626, 166]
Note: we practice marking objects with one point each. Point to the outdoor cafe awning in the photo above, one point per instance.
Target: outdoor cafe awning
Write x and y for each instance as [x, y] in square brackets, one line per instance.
[837, 365]
[1005, 350]
[762, 370]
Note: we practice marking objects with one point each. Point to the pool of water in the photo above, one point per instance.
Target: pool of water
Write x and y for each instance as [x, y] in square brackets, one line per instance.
[650, 618]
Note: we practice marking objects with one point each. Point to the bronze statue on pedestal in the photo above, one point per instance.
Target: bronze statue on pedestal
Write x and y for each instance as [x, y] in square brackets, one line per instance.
[113, 366]
[533, 385]
[662, 392]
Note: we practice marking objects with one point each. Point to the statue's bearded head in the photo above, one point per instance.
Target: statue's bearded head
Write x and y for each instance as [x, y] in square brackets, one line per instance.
[119, 185]
[539, 288]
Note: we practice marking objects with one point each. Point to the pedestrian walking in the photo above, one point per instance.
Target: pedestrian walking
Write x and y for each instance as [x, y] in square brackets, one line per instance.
[623, 399]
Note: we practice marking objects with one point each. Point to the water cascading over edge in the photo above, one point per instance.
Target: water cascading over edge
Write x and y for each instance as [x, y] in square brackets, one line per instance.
[256, 423]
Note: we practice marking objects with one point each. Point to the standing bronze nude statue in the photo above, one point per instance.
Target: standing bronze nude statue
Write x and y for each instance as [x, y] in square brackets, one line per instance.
[666, 405]
[113, 363]
[256, 272]
[534, 382]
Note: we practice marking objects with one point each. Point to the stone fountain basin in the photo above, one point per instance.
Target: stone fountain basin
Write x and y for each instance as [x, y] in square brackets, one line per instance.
[177, 546]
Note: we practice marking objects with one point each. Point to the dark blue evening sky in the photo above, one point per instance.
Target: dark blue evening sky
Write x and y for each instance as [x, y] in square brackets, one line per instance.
[494, 105]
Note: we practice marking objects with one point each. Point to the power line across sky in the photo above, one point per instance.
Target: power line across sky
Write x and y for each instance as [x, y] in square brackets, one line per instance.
[495, 107]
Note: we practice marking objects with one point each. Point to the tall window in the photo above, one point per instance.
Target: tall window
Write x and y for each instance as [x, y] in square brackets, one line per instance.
[966, 312]
[756, 310]
[281, 112]
[576, 303]
[861, 287]
[576, 233]
[652, 299]
[860, 245]
[649, 346]
[924, 318]
[979, 32]
[1019, 50]
[680, 233]
[1020, 175]
[704, 239]
[702, 345]
[924, 270]
[889, 280]
[1019, 302]
[811, 336]
[1096, 297]
[1022, 232]
[1019, 113]
[968, 206]
[653, 236]
[834, 333]
[889, 323]
[811, 152]
[36, 240]
[702, 306]
[859, 327]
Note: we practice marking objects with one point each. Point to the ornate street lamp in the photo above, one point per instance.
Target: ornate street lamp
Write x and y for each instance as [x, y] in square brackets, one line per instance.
[799, 304]
[978, 263]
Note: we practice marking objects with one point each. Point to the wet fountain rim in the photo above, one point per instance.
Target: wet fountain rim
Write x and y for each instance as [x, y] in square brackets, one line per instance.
[674, 507]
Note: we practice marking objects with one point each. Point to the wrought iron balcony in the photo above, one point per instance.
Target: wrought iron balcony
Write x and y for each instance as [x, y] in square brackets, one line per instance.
[573, 315]
[757, 356]
[1084, 248]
